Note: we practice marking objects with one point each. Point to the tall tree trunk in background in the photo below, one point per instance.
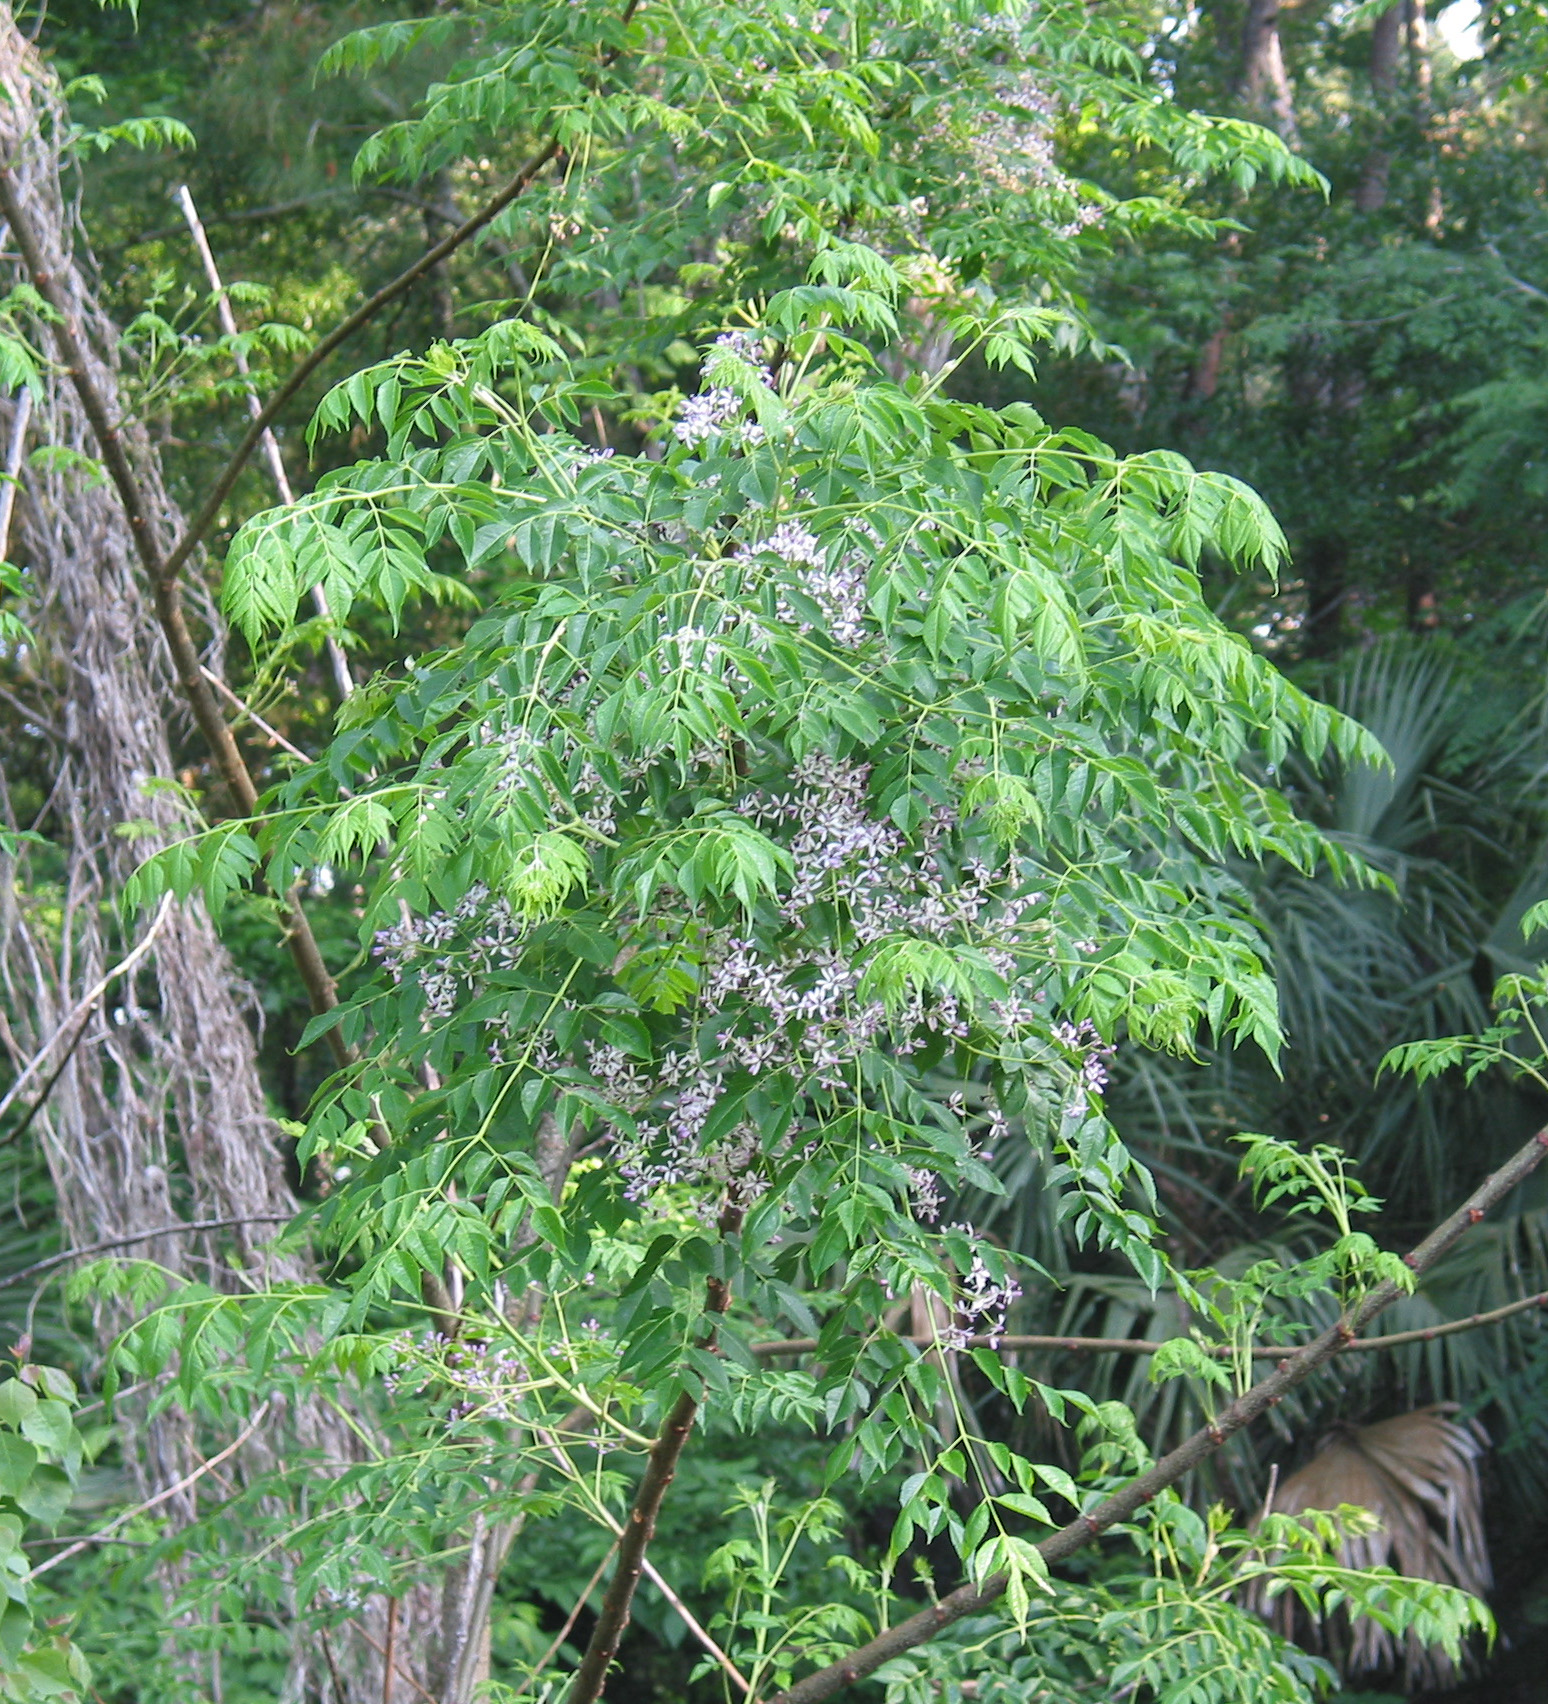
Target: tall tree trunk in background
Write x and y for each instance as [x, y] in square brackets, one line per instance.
[158, 1116]
[1264, 84]
[1324, 565]
[1370, 194]
[1402, 23]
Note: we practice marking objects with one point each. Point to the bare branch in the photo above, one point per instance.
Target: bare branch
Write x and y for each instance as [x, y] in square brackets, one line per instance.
[182, 1228]
[82, 1008]
[343, 677]
[102, 1536]
[241, 705]
[1150, 1345]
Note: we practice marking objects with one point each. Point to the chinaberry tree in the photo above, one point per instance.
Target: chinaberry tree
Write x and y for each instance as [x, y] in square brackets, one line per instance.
[816, 798]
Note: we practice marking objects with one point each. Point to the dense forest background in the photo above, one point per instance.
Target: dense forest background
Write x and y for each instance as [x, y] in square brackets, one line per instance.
[1369, 352]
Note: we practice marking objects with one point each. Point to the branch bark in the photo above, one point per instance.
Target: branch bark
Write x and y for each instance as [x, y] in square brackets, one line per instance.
[1291, 1371]
[661, 1468]
[656, 1578]
[184, 1227]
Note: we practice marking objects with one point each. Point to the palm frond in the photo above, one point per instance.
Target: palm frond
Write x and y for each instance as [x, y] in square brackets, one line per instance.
[1417, 1473]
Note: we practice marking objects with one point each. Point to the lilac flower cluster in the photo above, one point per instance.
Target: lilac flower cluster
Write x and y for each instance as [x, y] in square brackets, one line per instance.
[701, 417]
[436, 949]
[715, 411]
[924, 1194]
[835, 583]
[447, 979]
[1014, 151]
[1093, 1059]
[983, 1305]
[800, 1009]
[489, 1378]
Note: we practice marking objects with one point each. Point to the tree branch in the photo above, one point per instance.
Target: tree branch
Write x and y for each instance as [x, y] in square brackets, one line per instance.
[1150, 1345]
[574, 1615]
[150, 1503]
[591, 1676]
[183, 1227]
[81, 1011]
[342, 676]
[363, 315]
[656, 1578]
[1294, 1369]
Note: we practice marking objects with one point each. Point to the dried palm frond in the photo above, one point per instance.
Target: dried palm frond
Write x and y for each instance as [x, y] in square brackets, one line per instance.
[1418, 1475]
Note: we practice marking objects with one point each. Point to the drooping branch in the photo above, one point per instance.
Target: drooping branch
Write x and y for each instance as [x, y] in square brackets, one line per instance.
[640, 1527]
[1150, 1345]
[1292, 1370]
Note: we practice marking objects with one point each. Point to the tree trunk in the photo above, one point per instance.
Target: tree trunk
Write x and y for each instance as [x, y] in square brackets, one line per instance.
[1370, 194]
[1264, 85]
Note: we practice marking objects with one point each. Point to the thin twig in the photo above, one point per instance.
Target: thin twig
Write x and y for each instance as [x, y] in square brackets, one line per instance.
[238, 702]
[342, 675]
[1008, 1342]
[1268, 1496]
[40, 1099]
[1448, 1328]
[574, 1615]
[397, 1668]
[186, 1226]
[333, 1669]
[1297, 1366]
[83, 1007]
[160, 1497]
[245, 216]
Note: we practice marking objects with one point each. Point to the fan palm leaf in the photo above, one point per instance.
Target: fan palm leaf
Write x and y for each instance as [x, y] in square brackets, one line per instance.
[1417, 1473]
